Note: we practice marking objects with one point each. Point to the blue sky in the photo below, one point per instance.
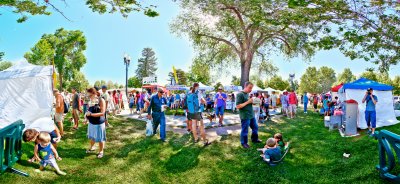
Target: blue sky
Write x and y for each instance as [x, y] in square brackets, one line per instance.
[109, 36]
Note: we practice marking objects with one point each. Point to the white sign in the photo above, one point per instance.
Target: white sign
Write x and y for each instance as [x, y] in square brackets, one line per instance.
[150, 80]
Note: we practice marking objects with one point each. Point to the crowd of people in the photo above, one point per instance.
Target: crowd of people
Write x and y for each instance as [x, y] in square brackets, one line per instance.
[97, 104]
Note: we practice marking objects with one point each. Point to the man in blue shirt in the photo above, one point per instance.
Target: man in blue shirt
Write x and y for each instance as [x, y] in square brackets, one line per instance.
[305, 102]
[156, 105]
[220, 102]
[370, 113]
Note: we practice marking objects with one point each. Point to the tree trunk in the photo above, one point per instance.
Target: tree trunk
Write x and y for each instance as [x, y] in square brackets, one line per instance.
[245, 67]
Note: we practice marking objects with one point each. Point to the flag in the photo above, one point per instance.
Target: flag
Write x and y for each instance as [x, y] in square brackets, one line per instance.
[54, 76]
[175, 75]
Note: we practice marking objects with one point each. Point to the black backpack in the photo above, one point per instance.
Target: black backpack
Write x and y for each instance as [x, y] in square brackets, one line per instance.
[66, 107]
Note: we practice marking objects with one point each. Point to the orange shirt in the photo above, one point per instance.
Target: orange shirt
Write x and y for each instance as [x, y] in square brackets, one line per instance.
[60, 101]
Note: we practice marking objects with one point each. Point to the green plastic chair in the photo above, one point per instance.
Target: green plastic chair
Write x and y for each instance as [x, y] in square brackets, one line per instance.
[11, 147]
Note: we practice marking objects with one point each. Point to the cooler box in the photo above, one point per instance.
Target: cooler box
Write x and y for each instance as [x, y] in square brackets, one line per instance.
[350, 118]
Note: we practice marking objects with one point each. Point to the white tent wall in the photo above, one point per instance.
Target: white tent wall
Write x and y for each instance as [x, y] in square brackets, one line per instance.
[25, 93]
[385, 115]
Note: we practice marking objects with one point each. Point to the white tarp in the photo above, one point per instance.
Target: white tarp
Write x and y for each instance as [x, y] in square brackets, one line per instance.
[205, 87]
[385, 115]
[25, 93]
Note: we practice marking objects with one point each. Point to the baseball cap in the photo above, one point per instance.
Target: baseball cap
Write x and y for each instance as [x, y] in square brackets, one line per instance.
[160, 90]
[96, 88]
[370, 89]
[104, 87]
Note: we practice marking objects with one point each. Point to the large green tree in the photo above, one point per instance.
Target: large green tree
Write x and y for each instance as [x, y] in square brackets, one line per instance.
[147, 64]
[309, 81]
[67, 47]
[80, 82]
[245, 31]
[276, 82]
[199, 72]
[383, 77]
[346, 76]
[134, 82]
[369, 74]
[40, 7]
[326, 78]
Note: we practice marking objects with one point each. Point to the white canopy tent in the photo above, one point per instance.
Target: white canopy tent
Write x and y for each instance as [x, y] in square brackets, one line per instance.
[257, 89]
[233, 88]
[25, 93]
[385, 115]
[204, 87]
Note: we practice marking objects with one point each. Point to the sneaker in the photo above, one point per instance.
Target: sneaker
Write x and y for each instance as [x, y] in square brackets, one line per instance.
[369, 132]
[207, 143]
[245, 146]
[257, 141]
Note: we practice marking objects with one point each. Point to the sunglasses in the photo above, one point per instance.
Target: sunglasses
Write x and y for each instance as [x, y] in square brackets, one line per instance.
[161, 92]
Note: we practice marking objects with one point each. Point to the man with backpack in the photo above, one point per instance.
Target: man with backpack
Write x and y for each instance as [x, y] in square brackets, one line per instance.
[61, 108]
[195, 105]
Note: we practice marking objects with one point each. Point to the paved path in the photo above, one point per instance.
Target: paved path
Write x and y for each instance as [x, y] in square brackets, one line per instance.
[177, 124]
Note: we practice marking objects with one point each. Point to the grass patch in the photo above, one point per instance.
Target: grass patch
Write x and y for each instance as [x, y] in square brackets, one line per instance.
[130, 157]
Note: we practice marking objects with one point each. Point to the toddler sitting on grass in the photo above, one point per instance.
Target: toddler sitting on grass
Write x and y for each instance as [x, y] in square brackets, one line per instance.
[271, 151]
[279, 141]
[48, 152]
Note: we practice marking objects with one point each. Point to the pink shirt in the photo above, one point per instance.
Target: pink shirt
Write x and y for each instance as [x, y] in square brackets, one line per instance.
[292, 98]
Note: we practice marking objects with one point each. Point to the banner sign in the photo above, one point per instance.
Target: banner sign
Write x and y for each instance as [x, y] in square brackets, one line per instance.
[175, 87]
[150, 80]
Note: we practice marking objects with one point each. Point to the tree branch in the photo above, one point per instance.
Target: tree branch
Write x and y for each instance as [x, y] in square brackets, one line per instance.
[222, 40]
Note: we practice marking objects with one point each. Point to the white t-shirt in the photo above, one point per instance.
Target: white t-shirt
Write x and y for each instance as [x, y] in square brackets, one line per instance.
[274, 98]
[256, 102]
[45, 124]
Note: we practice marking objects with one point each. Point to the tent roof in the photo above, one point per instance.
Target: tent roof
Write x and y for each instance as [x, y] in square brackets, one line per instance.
[364, 83]
[336, 88]
[24, 69]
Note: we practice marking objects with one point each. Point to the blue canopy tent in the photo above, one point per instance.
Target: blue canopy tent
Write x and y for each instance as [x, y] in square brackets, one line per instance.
[364, 83]
[384, 108]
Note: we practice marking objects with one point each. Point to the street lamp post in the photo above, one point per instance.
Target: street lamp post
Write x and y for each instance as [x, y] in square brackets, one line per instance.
[127, 61]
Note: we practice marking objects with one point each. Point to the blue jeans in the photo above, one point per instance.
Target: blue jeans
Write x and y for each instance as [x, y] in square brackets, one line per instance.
[305, 107]
[370, 117]
[245, 130]
[137, 106]
[85, 108]
[159, 119]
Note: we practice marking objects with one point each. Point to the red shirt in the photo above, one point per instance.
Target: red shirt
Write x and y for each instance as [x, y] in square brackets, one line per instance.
[292, 98]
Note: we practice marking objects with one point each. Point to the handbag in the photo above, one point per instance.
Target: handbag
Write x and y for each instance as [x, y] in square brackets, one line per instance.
[149, 128]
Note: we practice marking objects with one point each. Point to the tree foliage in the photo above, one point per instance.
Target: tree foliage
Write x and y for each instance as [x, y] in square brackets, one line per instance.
[80, 82]
[134, 82]
[250, 30]
[317, 81]
[40, 7]
[326, 78]
[199, 72]
[67, 48]
[5, 65]
[369, 74]
[147, 64]
[235, 81]
[276, 82]
[396, 85]
[346, 76]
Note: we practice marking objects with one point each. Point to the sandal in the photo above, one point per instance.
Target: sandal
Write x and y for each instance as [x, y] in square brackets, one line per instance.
[100, 155]
[89, 151]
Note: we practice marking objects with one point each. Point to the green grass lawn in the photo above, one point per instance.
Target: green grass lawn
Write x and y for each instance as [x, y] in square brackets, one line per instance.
[130, 157]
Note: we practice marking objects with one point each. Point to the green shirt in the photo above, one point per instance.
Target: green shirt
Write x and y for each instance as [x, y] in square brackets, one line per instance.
[247, 111]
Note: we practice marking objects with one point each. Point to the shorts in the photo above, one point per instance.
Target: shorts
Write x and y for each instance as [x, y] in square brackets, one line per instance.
[326, 109]
[219, 111]
[209, 106]
[52, 162]
[195, 116]
[53, 135]
[75, 112]
[284, 107]
[370, 118]
[292, 108]
[315, 106]
[59, 117]
[273, 104]
[177, 102]
[131, 105]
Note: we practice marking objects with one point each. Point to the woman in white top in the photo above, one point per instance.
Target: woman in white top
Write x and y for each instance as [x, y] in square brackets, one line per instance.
[256, 107]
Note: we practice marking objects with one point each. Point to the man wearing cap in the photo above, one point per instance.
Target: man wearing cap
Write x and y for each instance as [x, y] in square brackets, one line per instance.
[156, 105]
[106, 98]
[220, 100]
[76, 107]
[370, 113]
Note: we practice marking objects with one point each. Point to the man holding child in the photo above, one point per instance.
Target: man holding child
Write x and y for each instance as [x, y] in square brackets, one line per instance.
[246, 113]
